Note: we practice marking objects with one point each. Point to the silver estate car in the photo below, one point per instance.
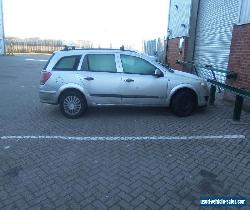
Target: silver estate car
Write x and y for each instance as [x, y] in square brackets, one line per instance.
[78, 78]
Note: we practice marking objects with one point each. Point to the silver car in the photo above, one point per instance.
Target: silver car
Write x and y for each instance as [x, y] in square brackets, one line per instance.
[78, 78]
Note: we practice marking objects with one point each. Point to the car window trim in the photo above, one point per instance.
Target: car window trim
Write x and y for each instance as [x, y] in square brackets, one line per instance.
[101, 71]
[138, 74]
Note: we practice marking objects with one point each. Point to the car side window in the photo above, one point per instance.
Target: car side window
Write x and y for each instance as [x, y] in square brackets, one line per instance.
[99, 63]
[135, 65]
[67, 63]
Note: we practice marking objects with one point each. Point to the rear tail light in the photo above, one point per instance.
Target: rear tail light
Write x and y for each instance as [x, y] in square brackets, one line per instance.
[45, 75]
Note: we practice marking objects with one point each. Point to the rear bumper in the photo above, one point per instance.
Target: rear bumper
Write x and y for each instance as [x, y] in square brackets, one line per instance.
[49, 97]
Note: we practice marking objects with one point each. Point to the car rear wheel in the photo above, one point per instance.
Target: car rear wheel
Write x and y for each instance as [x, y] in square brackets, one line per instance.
[72, 104]
[184, 103]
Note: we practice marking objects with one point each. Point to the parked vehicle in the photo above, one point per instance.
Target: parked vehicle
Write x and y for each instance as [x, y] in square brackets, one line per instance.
[78, 78]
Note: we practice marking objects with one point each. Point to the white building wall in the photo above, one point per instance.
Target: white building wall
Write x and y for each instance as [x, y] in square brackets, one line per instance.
[179, 17]
[1, 29]
[216, 19]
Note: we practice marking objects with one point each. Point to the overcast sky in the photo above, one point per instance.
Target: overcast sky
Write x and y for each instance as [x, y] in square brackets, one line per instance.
[104, 20]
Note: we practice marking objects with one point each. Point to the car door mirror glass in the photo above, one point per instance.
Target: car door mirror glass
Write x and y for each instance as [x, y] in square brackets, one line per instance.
[158, 73]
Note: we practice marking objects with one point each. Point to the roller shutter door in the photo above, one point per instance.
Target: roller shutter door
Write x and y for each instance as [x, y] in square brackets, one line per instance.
[214, 32]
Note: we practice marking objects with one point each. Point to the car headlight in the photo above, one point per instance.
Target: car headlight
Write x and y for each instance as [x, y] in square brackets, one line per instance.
[203, 83]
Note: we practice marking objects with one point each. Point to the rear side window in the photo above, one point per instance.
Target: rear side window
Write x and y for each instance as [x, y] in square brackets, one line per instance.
[68, 63]
[99, 63]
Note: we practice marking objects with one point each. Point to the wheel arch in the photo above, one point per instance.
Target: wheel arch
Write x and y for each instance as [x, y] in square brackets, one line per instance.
[175, 90]
[75, 88]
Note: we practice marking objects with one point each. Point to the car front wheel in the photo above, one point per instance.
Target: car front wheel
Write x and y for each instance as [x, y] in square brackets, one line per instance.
[72, 104]
[184, 103]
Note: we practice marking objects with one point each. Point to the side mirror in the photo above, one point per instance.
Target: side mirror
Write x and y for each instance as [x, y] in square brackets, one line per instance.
[158, 73]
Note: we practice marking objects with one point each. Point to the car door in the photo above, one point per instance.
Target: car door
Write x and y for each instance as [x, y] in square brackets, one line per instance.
[139, 84]
[100, 78]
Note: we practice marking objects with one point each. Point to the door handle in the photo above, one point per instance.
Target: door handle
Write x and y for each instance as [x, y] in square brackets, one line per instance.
[89, 78]
[129, 80]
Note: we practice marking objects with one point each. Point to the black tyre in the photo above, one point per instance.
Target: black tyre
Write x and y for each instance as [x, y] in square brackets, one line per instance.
[72, 104]
[184, 102]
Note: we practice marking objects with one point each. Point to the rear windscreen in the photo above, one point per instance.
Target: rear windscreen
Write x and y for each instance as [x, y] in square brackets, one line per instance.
[46, 65]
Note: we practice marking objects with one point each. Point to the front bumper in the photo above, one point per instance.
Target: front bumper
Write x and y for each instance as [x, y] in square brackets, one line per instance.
[204, 96]
[49, 97]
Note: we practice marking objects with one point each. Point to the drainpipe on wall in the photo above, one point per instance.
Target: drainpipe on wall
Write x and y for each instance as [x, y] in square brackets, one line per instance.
[1, 4]
[168, 33]
[166, 50]
[192, 32]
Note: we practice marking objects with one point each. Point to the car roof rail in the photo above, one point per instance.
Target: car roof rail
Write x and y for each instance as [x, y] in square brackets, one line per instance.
[122, 48]
[68, 48]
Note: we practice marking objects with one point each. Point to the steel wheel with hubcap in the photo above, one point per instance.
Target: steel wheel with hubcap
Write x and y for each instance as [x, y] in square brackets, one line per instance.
[72, 104]
[184, 102]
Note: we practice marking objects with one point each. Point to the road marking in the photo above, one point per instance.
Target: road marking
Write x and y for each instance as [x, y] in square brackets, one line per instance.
[29, 59]
[32, 59]
[125, 138]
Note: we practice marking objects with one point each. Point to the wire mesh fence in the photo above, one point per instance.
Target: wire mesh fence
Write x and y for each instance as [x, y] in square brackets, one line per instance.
[206, 71]
[39, 45]
[33, 46]
[210, 73]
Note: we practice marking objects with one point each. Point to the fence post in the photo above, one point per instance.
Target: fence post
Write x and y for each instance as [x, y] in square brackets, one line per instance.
[212, 94]
[238, 107]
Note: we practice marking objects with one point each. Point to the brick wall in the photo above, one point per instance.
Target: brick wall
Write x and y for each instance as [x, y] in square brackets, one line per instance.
[173, 52]
[239, 59]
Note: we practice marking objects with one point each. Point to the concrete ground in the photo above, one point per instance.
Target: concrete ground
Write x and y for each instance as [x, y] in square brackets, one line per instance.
[113, 158]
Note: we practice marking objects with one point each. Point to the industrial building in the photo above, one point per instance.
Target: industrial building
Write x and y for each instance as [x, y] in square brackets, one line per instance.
[213, 32]
[2, 50]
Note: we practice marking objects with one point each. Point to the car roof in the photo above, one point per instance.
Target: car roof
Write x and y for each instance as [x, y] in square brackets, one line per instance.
[93, 50]
[70, 52]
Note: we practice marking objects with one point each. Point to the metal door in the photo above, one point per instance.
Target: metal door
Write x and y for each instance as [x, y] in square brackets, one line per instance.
[214, 33]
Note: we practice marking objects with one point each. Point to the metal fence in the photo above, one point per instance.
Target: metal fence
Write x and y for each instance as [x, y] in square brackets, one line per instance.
[39, 46]
[32, 46]
[208, 72]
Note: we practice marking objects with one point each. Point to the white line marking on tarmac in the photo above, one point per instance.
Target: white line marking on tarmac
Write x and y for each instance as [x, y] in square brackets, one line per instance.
[29, 59]
[125, 138]
[32, 59]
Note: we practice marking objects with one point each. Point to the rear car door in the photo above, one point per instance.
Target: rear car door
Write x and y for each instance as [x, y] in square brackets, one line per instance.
[100, 78]
[139, 85]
